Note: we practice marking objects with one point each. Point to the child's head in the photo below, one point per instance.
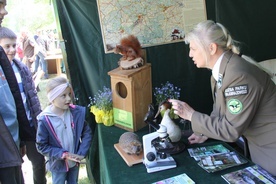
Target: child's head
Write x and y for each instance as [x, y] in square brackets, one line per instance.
[59, 92]
[8, 42]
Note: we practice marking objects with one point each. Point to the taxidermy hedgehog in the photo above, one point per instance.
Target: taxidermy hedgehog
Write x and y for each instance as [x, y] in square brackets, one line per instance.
[130, 143]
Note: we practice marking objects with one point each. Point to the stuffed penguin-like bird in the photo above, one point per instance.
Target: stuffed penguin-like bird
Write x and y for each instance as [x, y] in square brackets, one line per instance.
[172, 129]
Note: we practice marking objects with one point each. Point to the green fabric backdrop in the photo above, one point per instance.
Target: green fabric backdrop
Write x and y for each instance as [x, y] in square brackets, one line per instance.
[250, 21]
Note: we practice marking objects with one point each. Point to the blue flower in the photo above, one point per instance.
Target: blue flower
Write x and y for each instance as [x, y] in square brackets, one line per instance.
[102, 100]
[167, 91]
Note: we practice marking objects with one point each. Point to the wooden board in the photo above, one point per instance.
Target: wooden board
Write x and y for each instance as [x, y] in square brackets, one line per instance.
[129, 159]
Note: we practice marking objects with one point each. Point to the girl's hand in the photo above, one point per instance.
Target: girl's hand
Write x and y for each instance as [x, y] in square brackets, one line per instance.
[182, 109]
[193, 139]
[64, 155]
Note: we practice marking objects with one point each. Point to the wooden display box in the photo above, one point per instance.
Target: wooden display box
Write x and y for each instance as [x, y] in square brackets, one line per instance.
[131, 95]
[54, 64]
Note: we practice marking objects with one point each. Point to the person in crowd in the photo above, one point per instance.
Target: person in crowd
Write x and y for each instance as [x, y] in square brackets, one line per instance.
[244, 95]
[19, 49]
[12, 118]
[63, 136]
[28, 45]
[30, 101]
[41, 53]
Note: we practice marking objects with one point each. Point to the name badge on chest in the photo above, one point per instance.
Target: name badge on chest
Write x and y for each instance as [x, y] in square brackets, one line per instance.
[219, 83]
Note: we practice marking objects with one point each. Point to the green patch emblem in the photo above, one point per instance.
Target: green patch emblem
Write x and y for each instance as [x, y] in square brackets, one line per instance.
[234, 106]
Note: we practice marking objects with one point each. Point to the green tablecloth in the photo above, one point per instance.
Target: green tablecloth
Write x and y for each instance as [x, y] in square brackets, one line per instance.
[114, 170]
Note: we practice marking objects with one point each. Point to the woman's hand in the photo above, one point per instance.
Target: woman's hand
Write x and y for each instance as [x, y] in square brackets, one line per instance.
[193, 139]
[182, 109]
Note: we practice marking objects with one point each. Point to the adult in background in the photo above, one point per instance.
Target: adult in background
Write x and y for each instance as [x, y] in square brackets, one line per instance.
[28, 45]
[12, 117]
[41, 53]
[30, 101]
[244, 95]
[19, 49]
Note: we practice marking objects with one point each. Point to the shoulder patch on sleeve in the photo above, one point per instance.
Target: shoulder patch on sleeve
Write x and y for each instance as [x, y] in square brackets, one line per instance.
[234, 106]
[236, 90]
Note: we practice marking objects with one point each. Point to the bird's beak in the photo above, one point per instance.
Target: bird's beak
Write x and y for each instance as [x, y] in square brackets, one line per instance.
[158, 112]
[159, 109]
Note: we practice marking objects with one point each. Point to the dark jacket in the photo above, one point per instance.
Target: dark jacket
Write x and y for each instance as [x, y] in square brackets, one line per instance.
[13, 84]
[10, 157]
[32, 98]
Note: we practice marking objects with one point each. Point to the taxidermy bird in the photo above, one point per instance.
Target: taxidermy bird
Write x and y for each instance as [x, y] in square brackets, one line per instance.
[172, 129]
[150, 118]
[166, 105]
[150, 115]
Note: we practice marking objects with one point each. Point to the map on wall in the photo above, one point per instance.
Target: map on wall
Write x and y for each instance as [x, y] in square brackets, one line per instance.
[153, 22]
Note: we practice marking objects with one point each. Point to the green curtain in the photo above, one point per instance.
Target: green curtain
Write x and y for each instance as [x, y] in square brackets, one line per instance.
[250, 21]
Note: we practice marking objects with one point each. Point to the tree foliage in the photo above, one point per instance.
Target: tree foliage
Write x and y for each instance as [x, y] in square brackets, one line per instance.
[33, 14]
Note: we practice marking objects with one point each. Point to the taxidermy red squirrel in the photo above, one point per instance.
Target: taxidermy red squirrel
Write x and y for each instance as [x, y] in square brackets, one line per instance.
[131, 51]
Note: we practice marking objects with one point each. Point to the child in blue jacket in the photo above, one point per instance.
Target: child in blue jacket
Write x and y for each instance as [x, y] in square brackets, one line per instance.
[62, 134]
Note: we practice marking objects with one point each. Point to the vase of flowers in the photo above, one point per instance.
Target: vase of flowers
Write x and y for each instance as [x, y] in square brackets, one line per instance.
[165, 92]
[102, 107]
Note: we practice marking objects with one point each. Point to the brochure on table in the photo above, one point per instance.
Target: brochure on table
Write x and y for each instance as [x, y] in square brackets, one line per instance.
[207, 150]
[179, 179]
[214, 163]
[253, 174]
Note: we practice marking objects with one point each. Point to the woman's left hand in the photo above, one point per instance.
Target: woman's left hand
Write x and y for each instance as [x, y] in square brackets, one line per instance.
[193, 139]
[182, 109]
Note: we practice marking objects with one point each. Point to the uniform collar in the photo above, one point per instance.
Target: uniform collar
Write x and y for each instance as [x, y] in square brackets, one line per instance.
[225, 60]
[215, 70]
[220, 67]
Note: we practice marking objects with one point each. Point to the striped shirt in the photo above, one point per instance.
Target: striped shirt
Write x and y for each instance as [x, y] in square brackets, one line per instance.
[23, 95]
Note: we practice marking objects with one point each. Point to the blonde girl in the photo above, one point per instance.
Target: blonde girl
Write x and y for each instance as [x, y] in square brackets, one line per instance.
[62, 132]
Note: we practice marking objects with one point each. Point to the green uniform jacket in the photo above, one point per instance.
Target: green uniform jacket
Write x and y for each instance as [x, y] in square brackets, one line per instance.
[244, 104]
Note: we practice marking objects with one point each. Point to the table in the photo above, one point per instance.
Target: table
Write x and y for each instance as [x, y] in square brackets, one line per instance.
[54, 63]
[114, 170]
